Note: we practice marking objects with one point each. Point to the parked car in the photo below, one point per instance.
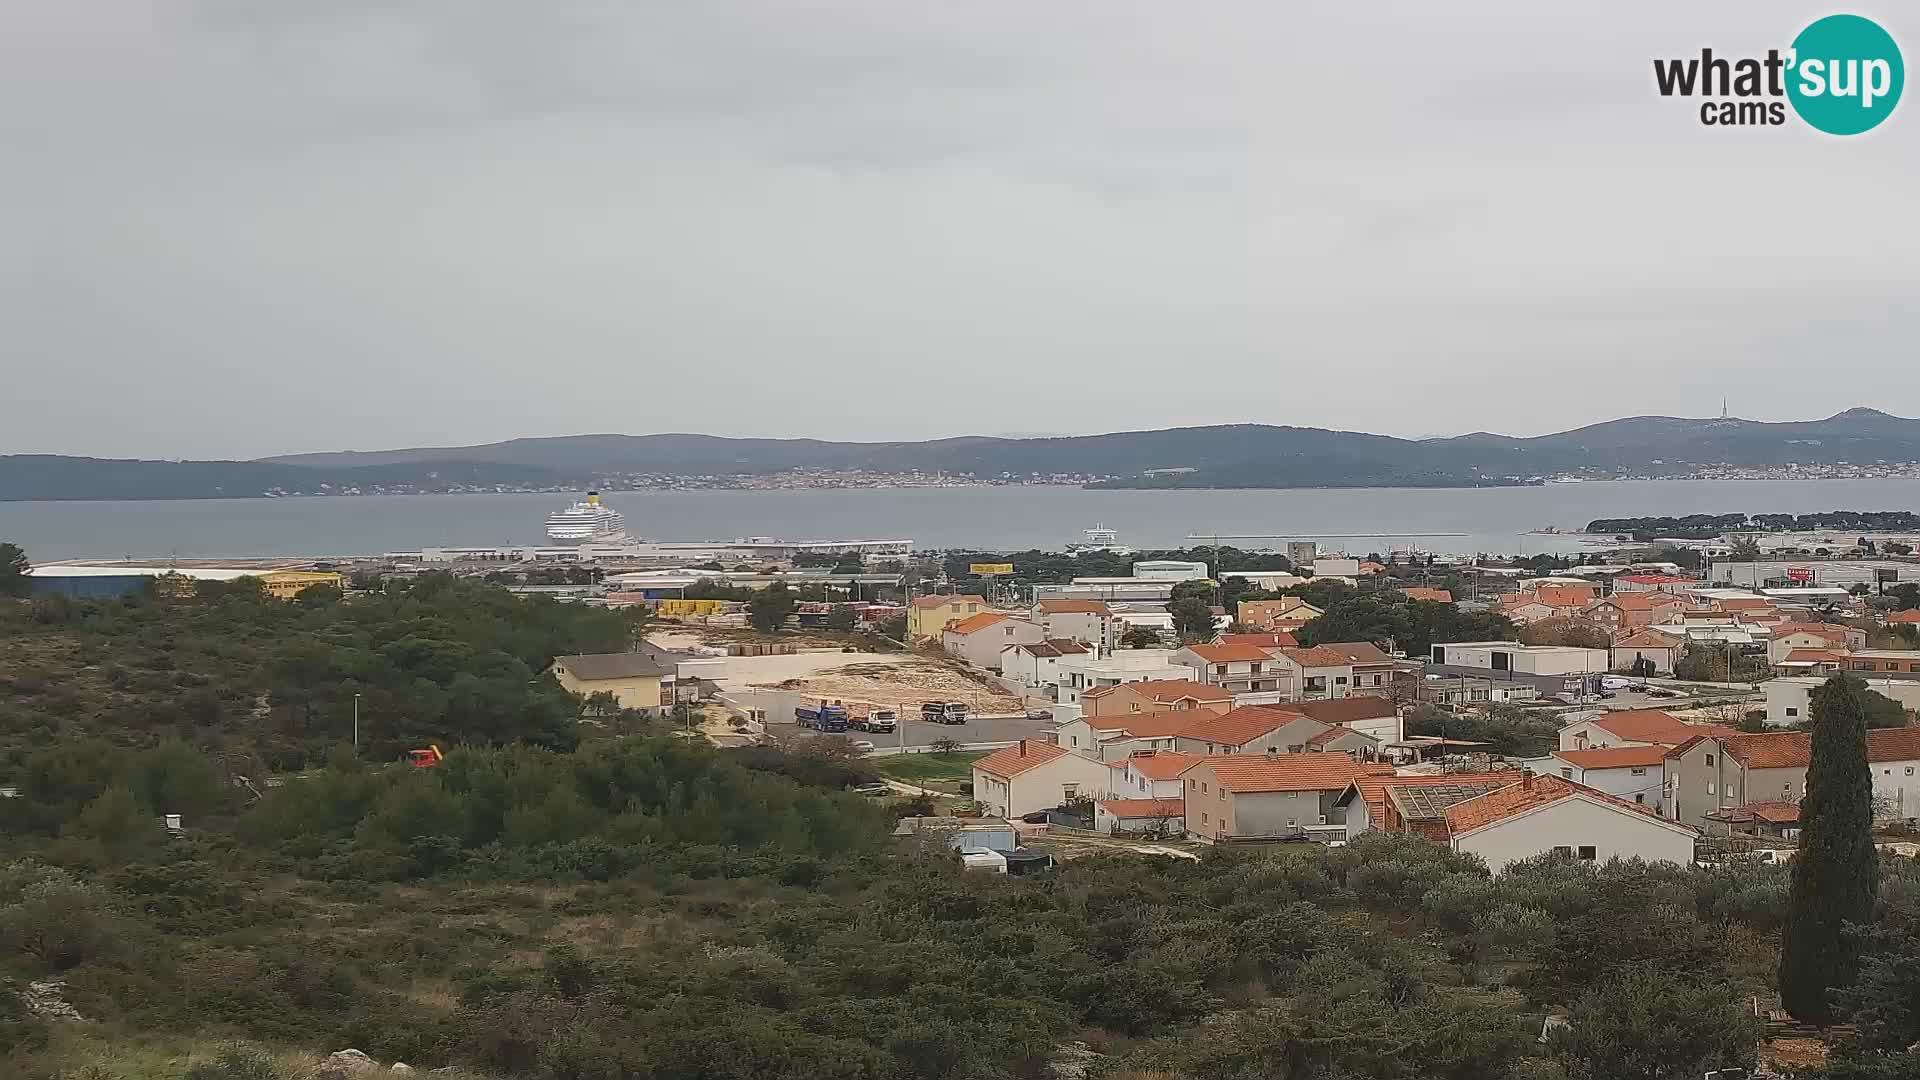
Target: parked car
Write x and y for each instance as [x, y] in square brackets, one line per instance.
[864, 746]
[1039, 714]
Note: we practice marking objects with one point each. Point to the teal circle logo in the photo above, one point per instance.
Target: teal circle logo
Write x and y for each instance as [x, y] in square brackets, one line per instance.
[1845, 75]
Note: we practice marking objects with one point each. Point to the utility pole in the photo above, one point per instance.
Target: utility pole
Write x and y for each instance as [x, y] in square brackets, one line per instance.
[356, 725]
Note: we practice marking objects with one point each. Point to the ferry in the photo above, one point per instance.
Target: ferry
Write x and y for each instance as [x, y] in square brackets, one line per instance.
[1101, 539]
[587, 522]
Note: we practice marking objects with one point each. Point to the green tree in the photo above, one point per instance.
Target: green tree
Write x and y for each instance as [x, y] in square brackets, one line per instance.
[767, 611]
[13, 571]
[1642, 1023]
[1140, 637]
[1834, 877]
[1192, 619]
[841, 617]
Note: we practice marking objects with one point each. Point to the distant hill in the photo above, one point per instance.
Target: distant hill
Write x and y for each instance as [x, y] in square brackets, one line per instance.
[1232, 455]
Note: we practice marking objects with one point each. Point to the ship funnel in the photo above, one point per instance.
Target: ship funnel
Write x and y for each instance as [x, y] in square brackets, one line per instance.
[593, 498]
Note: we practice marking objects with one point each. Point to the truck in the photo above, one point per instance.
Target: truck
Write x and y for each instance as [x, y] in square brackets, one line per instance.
[884, 721]
[828, 716]
[944, 712]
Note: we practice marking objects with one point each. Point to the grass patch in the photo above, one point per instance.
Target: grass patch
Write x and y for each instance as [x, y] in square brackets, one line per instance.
[941, 771]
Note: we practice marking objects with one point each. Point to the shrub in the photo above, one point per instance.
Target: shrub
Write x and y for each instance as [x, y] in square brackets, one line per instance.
[236, 1061]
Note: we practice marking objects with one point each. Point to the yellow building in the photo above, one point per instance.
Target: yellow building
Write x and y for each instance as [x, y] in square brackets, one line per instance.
[287, 584]
[632, 678]
[929, 616]
[678, 609]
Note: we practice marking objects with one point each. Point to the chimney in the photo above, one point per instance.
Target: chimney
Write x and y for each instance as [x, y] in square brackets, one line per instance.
[1023, 748]
[1526, 779]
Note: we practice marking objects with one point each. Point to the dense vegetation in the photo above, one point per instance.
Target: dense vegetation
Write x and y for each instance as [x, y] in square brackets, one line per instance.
[266, 685]
[592, 905]
[1708, 526]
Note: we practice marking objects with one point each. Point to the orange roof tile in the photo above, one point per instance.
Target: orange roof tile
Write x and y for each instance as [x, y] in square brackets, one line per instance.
[1240, 726]
[1229, 654]
[1175, 689]
[1357, 652]
[1654, 726]
[1779, 813]
[1614, 757]
[1335, 734]
[1742, 603]
[973, 623]
[1794, 749]
[1438, 596]
[1344, 710]
[1072, 607]
[1904, 616]
[1148, 725]
[1317, 656]
[1010, 761]
[1249, 774]
[1144, 808]
[1646, 639]
[1811, 656]
[1530, 793]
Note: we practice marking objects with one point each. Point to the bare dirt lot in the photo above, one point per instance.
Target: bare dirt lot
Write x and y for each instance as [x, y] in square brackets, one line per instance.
[898, 680]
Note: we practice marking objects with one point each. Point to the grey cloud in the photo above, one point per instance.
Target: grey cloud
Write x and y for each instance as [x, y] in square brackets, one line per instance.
[461, 221]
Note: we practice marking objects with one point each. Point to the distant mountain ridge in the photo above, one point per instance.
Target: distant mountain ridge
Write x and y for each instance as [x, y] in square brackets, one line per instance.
[1229, 456]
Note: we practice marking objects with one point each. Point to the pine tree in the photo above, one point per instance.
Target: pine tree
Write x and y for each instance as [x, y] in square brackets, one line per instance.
[1835, 876]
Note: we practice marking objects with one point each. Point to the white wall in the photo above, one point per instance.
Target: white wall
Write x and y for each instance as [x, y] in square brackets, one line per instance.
[982, 647]
[1043, 786]
[1621, 781]
[1574, 822]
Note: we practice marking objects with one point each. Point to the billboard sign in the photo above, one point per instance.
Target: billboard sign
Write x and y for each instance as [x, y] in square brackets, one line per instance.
[1799, 573]
[990, 569]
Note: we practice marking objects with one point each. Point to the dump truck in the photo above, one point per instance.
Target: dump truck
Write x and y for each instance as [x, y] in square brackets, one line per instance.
[830, 716]
[877, 719]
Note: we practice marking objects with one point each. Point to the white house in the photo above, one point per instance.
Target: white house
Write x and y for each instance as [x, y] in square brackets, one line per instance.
[1633, 727]
[1150, 774]
[1241, 669]
[1090, 622]
[1035, 666]
[1541, 814]
[1164, 817]
[1522, 659]
[1031, 775]
[1790, 699]
[1078, 674]
[979, 639]
[1634, 773]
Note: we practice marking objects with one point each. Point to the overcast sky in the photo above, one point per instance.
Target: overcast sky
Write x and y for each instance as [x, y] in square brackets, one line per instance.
[231, 228]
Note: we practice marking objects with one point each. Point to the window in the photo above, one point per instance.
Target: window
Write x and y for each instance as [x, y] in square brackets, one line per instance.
[1563, 851]
[1640, 797]
[1637, 772]
[1068, 791]
[1205, 791]
[1709, 761]
[1191, 784]
[1223, 794]
[1791, 711]
[1203, 817]
[1709, 787]
[1566, 774]
[1340, 680]
[1588, 853]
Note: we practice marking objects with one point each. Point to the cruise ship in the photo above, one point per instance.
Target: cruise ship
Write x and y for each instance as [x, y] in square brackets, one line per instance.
[587, 522]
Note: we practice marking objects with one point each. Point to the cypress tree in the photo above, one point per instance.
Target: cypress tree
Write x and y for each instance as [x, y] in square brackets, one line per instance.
[1835, 876]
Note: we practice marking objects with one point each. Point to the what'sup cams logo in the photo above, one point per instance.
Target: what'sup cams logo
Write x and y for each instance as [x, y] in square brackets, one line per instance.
[1842, 75]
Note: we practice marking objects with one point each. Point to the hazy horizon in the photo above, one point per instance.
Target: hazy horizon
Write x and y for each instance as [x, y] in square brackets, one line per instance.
[241, 231]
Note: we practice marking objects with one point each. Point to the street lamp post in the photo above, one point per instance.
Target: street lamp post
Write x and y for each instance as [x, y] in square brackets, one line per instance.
[356, 725]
